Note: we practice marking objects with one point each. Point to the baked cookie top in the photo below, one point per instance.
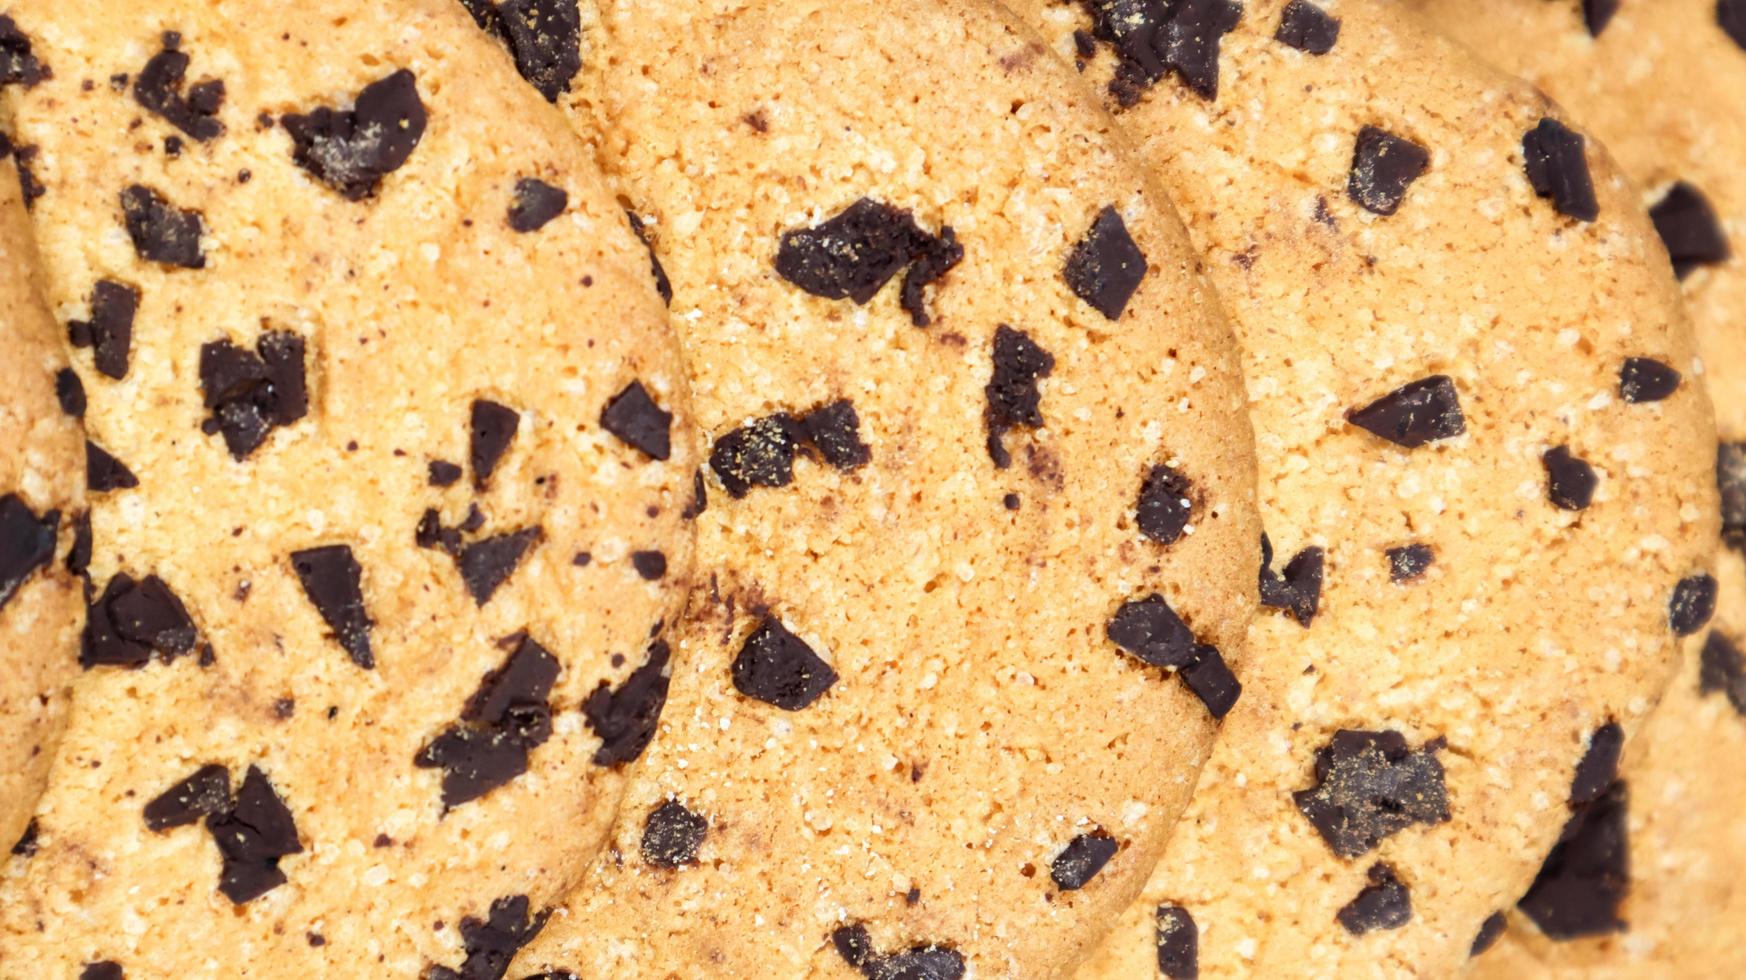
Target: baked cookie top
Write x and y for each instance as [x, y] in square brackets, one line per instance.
[1659, 83]
[1482, 436]
[42, 498]
[979, 484]
[391, 461]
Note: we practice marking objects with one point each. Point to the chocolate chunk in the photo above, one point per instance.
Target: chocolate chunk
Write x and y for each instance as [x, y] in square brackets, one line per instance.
[443, 473]
[932, 260]
[486, 564]
[1178, 940]
[351, 150]
[672, 834]
[162, 232]
[333, 582]
[636, 420]
[29, 188]
[1105, 267]
[1298, 589]
[651, 565]
[1690, 229]
[27, 543]
[1189, 45]
[1308, 28]
[1081, 860]
[252, 836]
[18, 63]
[1383, 166]
[1134, 28]
[201, 795]
[109, 332]
[1150, 631]
[102, 970]
[545, 37]
[1584, 879]
[1599, 766]
[25, 846]
[1370, 786]
[626, 719]
[1596, 14]
[1013, 396]
[490, 431]
[104, 472]
[1643, 379]
[1730, 14]
[1722, 667]
[835, 431]
[1382, 904]
[536, 204]
[1164, 508]
[1570, 481]
[491, 944]
[251, 393]
[79, 555]
[699, 497]
[1211, 680]
[159, 89]
[1490, 931]
[1731, 481]
[853, 254]
[1414, 414]
[777, 667]
[925, 962]
[70, 392]
[505, 719]
[1692, 604]
[1557, 168]
[1408, 562]
[663, 285]
[132, 620]
[758, 454]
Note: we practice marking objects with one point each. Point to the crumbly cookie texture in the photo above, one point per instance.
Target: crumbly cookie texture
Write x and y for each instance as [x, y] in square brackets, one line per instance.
[1657, 892]
[42, 500]
[1482, 431]
[390, 461]
[979, 547]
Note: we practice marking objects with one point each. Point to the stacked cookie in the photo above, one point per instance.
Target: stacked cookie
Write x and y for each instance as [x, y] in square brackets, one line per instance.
[611, 488]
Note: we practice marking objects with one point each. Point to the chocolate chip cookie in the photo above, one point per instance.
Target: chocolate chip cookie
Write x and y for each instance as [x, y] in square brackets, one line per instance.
[391, 461]
[1480, 419]
[1649, 883]
[978, 548]
[42, 496]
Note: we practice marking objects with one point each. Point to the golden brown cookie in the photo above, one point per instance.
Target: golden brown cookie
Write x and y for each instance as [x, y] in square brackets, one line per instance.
[388, 512]
[1649, 885]
[41, 505]
[1480, 422]
[979, 485]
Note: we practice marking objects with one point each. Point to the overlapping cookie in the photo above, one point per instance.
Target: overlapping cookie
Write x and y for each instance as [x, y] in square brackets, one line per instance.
[390, 467]
[41, 504]
[1482, 436]
[978, 545]
[1646, 882]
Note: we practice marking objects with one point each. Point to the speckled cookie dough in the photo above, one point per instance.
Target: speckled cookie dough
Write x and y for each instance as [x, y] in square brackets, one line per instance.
[979, 485]
[1652, 886]
[390, 463]
[42, 499]
[1481, 428]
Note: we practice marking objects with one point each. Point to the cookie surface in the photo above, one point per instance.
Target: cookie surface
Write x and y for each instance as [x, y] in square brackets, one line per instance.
[1659, 83]
[1441, 288]
[387, 505]
[977, 487]
[41, 505]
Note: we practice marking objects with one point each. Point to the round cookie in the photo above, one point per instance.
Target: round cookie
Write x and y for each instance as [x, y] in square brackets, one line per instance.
[1661, 893]
[41, 506]
[979, 483]
[1477, 405]
[388, 506]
